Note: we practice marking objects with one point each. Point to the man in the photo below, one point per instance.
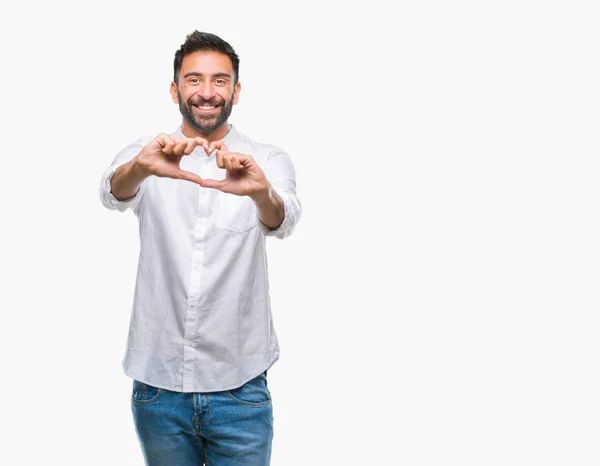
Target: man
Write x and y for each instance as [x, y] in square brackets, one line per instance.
[201, 335]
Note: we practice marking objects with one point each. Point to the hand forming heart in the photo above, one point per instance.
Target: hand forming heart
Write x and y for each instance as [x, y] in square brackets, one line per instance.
[243, 176]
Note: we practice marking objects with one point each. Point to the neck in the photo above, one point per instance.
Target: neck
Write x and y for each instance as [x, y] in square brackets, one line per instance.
[210, 136]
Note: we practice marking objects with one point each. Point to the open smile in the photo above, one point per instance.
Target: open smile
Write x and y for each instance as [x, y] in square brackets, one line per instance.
[206, 109]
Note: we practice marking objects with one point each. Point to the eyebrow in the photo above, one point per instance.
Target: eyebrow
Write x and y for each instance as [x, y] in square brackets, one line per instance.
[216, 75]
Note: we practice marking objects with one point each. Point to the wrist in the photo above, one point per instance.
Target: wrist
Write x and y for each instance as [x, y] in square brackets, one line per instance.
[262, 195]
[138, 170]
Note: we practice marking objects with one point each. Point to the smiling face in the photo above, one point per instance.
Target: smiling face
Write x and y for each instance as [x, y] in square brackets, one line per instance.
[206, 93]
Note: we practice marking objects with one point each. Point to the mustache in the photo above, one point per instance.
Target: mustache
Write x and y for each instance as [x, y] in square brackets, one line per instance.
[201, 101]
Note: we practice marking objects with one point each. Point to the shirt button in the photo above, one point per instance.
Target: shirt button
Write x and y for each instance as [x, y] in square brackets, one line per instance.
[188, 343]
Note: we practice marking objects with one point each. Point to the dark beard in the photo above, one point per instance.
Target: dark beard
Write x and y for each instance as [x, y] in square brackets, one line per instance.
[205, 123]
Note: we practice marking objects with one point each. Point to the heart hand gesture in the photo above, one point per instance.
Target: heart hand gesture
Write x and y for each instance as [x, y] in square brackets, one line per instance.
[162, 155]
[243, 176]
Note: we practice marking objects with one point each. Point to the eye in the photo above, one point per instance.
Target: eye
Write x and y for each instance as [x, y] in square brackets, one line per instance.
[194, 80]
[220, 82]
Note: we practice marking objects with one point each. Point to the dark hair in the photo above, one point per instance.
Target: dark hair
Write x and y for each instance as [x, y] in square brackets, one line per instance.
[198, 41]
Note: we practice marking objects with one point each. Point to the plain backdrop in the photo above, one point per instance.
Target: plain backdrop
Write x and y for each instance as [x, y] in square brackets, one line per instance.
[438, 302]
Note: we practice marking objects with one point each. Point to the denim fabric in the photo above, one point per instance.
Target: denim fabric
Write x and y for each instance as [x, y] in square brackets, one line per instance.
[228, 428]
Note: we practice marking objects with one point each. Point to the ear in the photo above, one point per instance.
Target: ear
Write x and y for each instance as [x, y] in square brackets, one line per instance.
[236, 93]
[173, 90]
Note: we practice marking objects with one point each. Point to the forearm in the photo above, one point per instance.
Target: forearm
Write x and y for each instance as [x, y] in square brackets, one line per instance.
[270, 208]
[126, 181]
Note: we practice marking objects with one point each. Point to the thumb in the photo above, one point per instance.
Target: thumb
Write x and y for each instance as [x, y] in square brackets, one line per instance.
[188, 176]
[216, 184]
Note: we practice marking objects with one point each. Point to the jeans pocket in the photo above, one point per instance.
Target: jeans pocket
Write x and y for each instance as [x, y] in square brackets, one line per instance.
[254, 392]
[143, 393]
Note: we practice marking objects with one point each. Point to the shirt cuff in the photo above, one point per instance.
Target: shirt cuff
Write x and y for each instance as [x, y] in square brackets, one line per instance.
[108, 198]
[292, 211]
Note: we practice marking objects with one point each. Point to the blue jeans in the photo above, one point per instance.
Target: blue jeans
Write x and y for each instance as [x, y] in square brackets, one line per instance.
[229, 428]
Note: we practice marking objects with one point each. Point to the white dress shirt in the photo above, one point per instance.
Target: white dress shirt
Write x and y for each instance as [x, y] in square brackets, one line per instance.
[201, 318]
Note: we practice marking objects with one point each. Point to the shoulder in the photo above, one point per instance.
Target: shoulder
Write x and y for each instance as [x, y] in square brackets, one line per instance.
[257, 149]
[139, 142]
[132, 149]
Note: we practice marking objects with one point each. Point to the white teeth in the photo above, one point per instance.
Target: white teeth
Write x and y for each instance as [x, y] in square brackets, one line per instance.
[206, 107]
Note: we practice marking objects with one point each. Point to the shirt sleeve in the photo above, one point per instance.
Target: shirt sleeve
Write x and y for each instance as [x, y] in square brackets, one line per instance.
[126, 155]
[280, 172]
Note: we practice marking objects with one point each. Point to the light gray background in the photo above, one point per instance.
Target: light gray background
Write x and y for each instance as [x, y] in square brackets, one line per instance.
[438, 302]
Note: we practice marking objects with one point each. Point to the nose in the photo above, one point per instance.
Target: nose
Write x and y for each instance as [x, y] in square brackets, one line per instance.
[207, 91]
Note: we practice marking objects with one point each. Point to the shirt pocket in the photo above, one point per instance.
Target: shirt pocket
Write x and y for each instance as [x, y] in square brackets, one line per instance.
[236, 213]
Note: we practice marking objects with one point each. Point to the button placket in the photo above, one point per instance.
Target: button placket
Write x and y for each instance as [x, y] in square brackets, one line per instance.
[195, 287]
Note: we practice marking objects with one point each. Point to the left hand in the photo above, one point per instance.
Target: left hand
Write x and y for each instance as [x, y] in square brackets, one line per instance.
[243, 176]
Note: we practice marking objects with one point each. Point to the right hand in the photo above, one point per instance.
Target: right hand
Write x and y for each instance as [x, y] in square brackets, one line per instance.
[162, 155]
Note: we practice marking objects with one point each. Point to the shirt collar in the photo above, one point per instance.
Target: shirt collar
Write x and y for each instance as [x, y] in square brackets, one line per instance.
[230, 138]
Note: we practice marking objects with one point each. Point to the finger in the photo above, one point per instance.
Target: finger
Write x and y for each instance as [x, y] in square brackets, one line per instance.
[180, 146]
[188, 176]
[201, 142]
[220, 145]
[220, 155]
[162, 139]
[228, 162]
[232, 162]
[169, 144]
[190, 146]
[221, 185]
[237, 162]
[245, 158]
[168, 148]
